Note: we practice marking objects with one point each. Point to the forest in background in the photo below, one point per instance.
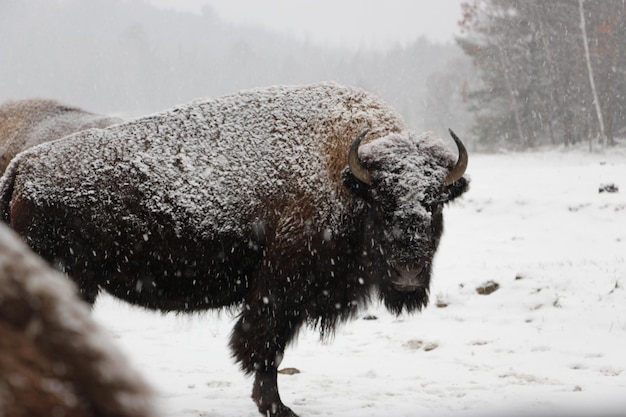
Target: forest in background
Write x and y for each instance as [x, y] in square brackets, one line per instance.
[538, 83]
[517, 78]
[126, 57]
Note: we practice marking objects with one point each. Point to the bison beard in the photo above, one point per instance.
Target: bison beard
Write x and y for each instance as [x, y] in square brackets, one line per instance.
[264, 199]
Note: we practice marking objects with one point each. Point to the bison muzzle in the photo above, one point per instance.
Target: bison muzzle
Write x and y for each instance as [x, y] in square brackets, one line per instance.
[273, 200]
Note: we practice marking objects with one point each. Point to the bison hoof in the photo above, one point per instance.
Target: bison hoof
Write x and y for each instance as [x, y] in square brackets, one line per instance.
[278, 410]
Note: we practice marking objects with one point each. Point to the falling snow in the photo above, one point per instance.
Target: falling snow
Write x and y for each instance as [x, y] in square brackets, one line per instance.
[211, 164]
[552, 337]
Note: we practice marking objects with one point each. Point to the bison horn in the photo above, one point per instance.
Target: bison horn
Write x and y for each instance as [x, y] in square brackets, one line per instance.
[459, 168]
[358, 170]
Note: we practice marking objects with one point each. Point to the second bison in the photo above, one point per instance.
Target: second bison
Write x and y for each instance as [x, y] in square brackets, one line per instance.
[29, 122]
[264, 199]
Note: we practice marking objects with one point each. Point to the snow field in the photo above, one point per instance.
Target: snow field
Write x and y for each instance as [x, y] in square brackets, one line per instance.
[551, 339]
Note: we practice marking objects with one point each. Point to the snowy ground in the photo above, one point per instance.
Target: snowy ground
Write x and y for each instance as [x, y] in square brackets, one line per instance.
[551, 339]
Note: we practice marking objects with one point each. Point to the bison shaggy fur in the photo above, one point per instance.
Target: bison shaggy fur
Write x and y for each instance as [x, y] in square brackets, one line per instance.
[54, 360]
[26, 123]
[263, 200]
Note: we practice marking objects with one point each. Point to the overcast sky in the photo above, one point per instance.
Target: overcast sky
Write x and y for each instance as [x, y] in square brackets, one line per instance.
[365, 23]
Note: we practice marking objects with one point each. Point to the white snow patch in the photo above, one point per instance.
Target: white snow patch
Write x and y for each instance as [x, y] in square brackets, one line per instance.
[552, 338]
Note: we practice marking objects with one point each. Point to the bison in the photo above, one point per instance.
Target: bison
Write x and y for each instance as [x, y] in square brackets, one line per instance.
[26, 123]
[55, 361]
[295, 203]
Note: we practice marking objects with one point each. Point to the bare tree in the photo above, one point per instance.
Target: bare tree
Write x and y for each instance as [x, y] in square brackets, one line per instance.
[596, 99]
[535, 86]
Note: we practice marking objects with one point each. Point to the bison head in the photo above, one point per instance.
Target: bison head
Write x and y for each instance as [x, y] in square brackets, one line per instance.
[405, 182]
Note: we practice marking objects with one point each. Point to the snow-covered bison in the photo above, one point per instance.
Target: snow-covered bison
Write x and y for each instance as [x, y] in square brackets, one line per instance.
[26, 123]
[54, 360]
[263, 199]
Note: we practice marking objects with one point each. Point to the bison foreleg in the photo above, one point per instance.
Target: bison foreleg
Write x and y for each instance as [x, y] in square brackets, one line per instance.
[258, 342]
[265, 395]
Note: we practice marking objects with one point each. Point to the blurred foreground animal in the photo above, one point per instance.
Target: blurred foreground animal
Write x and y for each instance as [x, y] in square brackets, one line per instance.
[26, 123]
[265, 199]
[54, 360]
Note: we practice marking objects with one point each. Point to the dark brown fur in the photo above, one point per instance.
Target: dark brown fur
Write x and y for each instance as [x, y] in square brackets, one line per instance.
[54, 360]
[311, 243]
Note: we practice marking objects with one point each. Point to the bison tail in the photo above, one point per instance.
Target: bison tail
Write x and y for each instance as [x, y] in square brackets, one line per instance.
[7, 183]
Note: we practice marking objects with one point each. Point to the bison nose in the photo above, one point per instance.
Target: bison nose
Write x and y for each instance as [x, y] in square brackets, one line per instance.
[408, 278]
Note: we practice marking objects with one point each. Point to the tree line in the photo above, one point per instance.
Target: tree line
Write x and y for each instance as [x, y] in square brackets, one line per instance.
[128, 58]
[550, 72]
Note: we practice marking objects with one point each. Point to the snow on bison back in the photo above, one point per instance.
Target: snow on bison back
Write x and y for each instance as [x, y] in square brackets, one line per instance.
[29, 122]
[264, 199]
